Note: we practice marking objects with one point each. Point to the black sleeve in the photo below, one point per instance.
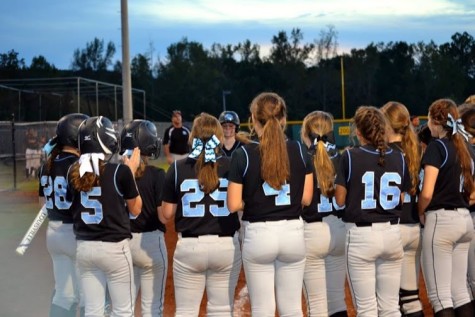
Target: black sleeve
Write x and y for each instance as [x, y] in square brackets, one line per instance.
[125, 182]
[434, 155]
[169, 192]
[238, 166]
[309, 167]
[343, 169]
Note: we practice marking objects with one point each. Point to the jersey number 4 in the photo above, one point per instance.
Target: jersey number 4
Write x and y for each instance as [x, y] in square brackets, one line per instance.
[193, 195]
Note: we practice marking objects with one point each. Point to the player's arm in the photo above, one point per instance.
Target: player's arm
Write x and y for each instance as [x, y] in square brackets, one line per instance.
[428, 185]
[307, 190]
[168, 211]
[234, 198]
[340, 195]
[161, 216]
[134, 205]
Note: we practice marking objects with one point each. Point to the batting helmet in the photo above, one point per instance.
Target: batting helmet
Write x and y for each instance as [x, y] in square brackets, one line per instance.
[141, 134]
[97, 135]
[230, 117]
[67, 129]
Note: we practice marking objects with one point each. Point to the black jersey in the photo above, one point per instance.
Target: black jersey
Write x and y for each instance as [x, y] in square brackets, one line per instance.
[237, 144]
[54, 187]
[101, 213]
[262, 202]
[373, 191]
[448, 190]
[177, 139]
[322, 206]
[198, 213]
[408, 212]
[150, 188]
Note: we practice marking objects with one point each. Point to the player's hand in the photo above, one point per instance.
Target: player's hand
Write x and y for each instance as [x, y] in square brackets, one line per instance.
[422, 219]
[134, 161]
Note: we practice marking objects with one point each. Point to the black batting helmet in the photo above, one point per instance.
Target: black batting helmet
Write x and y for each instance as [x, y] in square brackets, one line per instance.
[67, 129]
[142, 134]
[97, 135]
[230, 117]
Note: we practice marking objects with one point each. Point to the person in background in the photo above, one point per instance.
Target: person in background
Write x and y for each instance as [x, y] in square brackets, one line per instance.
[325, 275]
[230, 122]
[175, 139]
[60, 239]
[207, 254]
[402, 138]
[104, 195]
[371, 182]
[32, 145]
[447, 191]
[415, 122]
[149, 252]
[270, 180]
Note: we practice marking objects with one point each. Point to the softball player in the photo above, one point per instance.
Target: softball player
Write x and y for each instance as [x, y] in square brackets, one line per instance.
[207, 254]
[371, 180]
[324, 279]
[60, 239]
[468, 120]
[102, 190]
[270, 181]
[448, 230]
[403, 138]
[149, 252]
[230, 122]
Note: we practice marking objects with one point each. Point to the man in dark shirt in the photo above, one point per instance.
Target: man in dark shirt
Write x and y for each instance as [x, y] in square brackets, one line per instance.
[175, 140]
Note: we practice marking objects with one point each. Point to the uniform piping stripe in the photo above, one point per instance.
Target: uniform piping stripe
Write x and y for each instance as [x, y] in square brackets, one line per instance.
[433, 261]
[162, 246]
[446, 152]
[301, 154]
[176, 175]
[57, 159]
[349, 166]
[115, 181]
[131, 274]
[350, 284]
[247, 162]
[403, 165]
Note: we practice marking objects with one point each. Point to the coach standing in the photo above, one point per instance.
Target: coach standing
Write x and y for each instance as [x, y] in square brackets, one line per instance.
[175, 140]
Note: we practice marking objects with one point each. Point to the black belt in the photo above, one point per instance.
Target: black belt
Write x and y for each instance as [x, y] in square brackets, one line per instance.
[369, 224]
[314, 220]
[192, 235]
[266, 220]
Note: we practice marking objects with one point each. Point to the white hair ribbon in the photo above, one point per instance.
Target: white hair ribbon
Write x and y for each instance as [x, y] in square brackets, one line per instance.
[457, 126]
[197, 148]
[89, 162]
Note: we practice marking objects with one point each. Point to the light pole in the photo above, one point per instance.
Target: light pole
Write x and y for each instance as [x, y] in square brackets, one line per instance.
[225, 92]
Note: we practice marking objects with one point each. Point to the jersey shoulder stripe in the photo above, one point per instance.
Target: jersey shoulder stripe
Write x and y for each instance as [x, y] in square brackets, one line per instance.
[446, 152]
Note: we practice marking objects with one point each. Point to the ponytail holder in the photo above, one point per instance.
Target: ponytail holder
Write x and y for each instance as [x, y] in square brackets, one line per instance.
[327, 139]
[89, 163]
[457, 126]
[209, 146]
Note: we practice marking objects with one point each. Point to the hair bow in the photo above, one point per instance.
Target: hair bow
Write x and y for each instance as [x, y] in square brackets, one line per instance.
[209, 146]
[327, 139]
[457, 126]
[89, 163]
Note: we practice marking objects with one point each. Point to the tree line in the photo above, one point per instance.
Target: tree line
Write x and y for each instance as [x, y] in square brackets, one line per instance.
[308, 75]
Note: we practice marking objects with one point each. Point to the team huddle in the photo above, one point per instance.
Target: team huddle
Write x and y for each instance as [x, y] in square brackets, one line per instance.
[299, 217]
